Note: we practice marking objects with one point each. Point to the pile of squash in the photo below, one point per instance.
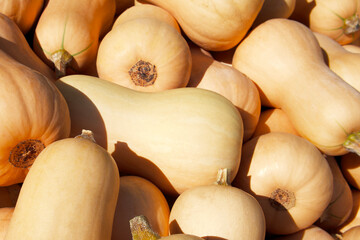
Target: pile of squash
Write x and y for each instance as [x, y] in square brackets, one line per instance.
[168, 119]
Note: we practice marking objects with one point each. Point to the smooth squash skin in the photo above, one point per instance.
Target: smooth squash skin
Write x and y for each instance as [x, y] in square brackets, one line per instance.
[23, 12]
[139, 196]
[352, 48]
[350, 167]
[176, 138]
[14, 43]
[145, 54]
[292, 75]
[146, 11]
[213, 25]
[344, 63]
[311, 233]
[35, 114]
[352, 233]
[70, 193]
[68, 32]
[354, 218]
[273, 120]
[5, 217]
[207, 73]
[289, 177]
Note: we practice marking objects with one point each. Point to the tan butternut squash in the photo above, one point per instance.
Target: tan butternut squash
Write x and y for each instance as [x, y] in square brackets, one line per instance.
[145, 54]
[156, 135]
[218, 211]
[274, 9]
[210, 74]
[352, 48]
[354, 218]
[145, 11]
[337, 19]
[67, 34]
[343, 62]
[350, 167]
[292, 75]
[69, 193]
[14, 43]
[352, 233]
[273, 120]
[23, 12]
[35, 114]
[139, 196]
[340, 206]
[213, 25]
[311, 233]
[289, 177]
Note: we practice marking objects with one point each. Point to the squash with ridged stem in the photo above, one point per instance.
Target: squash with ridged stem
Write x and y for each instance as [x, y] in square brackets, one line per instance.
[292, 75]
[68, 32]
[39, 116]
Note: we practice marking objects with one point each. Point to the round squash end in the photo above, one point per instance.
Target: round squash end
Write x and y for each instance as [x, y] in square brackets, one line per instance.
[24, 153]
[281, 199]
[143, 73]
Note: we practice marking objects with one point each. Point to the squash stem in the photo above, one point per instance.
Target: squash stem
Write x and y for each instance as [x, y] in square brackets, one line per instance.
[223, 177]
[141, 229]
[61, 59]
[87, 134]
[352, 143]
[352, 24]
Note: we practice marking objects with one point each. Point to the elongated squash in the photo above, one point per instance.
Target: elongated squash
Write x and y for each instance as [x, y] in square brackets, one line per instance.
[158, 135]
[14, 43]
[34, 114]
[292, 75]
[67, 34]
[70, 193]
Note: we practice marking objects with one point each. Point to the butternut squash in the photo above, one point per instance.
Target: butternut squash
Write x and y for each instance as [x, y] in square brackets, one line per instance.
[350, 167]
[145, 11]
[354, 218]
[210, 74]
[218, 211]
[67, 34]
[69, 193]
[292, 75]
[311, 233]
[289, 177]
[35, 114]
[5, 217]
[213, 25]
[14, 43]
[273, 120]
[139, 196]
[337, 19]
[352, 48]
[343, 62]
[145, 54]
[274, 9]
[156, 135]
[24, 13]
[352, 233]
[340, 206]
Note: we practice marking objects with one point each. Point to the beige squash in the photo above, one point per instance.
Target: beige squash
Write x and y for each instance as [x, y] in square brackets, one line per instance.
[157, 135]
[352, 233]
[139, 196]
[340, 206]
[337, 19]
[354, 218]
[218, 211]
[311, 233]
[273, 120]
[14, 43]
[344, 63]
[146, 11]
[292, 75]
[210, 74]
[24, 13]
[274, 9]
[70, 193]
[5, 217]
[289, 177]
[213, 25]
[350, 167]
[352, 48]
[68, 32]
[145, 54]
